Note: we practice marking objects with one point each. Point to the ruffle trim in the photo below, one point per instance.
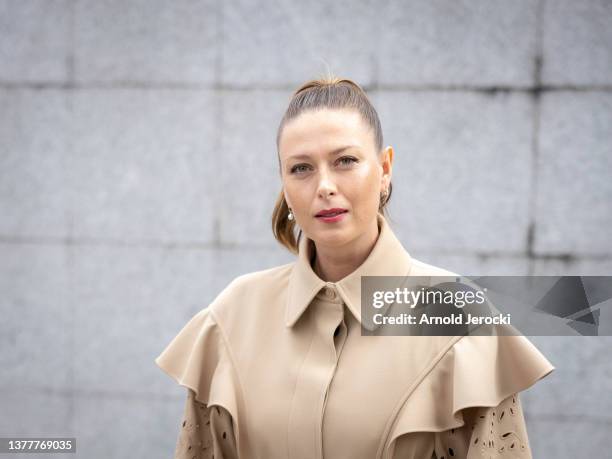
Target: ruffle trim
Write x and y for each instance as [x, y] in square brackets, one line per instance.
[477, 371]
[197, 359]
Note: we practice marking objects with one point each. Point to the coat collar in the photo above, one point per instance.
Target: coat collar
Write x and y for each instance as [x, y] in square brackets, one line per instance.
[387, 258]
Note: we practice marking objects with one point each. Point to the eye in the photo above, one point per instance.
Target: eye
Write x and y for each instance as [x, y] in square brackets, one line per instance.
[298, 168]
[348, 160]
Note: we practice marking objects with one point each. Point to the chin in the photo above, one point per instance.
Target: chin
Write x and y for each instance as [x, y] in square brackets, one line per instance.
[333, 236]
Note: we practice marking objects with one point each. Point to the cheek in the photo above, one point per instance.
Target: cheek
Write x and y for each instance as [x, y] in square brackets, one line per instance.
[364, 184]
[298, 194]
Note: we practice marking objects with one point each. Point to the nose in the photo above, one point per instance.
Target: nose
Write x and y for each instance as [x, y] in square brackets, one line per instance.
[327, 186]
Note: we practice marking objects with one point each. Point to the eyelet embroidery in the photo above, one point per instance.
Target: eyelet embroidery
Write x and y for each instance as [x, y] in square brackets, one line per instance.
[494, 433]
[194, 443]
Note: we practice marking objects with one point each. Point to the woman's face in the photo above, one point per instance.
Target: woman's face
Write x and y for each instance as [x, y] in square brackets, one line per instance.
[329, 160]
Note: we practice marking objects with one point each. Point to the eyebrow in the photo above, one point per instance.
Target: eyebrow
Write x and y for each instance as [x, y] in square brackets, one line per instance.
[331, 153]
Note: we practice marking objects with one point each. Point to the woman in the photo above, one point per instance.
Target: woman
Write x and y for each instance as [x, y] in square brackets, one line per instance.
[277, 367]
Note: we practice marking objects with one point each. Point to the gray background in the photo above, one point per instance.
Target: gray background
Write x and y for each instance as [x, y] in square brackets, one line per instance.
[138, 173]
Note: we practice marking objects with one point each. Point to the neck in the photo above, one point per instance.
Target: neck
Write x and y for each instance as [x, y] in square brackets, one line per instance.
[333, 263]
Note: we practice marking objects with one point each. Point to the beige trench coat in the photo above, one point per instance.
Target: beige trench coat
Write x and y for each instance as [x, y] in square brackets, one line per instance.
[276, 367]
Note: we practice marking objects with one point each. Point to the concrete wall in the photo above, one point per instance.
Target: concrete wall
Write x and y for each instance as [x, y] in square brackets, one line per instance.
[138, 173]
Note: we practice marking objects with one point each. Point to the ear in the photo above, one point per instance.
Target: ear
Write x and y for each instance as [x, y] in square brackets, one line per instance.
[390, 153]
[387, 165]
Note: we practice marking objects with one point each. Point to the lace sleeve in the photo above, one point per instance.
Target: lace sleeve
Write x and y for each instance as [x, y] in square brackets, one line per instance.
[489, 432]
[206, 432]
[224, 441]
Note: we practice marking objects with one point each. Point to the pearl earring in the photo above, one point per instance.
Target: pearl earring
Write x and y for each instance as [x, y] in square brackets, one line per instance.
[290, 216]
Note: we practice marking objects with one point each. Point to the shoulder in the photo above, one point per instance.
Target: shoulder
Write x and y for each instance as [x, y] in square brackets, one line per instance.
[242, 295]
[420, 268]
[257, 282]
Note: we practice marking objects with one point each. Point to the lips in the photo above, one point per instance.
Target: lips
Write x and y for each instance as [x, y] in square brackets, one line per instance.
[331, 212]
